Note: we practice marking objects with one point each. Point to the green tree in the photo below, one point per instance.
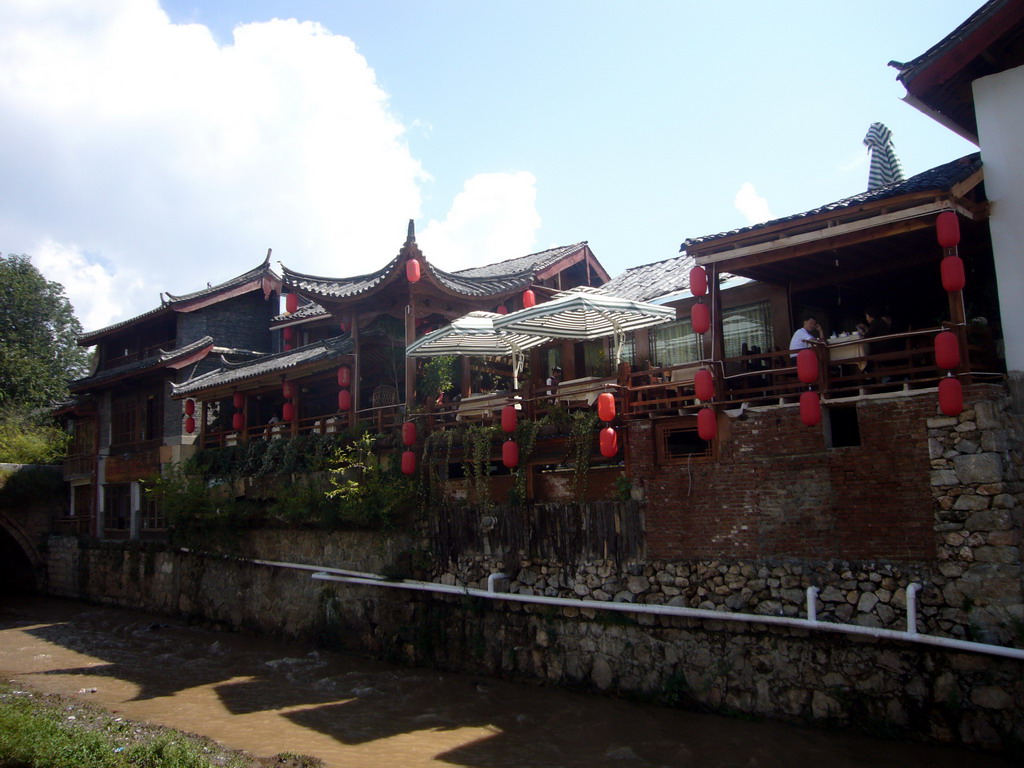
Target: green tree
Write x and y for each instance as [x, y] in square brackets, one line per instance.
[38, 349]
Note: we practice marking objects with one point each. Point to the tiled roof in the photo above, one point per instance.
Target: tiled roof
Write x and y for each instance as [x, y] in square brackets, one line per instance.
[534, 262]
[490, 280]
[649, 281]
[940, 179]
[168, 304]
[327, 349]
[153, 362]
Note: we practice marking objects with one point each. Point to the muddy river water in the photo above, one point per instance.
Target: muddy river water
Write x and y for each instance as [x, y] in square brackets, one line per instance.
[268, 697]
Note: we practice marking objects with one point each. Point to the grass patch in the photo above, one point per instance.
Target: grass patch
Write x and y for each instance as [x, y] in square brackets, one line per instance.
[48, 731]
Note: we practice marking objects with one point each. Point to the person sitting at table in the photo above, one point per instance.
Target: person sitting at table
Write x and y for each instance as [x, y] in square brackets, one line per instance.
[875, 325]
[809, 331]
[553, 380]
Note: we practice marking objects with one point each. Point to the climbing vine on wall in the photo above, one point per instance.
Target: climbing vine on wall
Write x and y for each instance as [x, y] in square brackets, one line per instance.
[580, 447]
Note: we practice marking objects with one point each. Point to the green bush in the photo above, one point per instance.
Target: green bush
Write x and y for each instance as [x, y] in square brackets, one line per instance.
[25, 442]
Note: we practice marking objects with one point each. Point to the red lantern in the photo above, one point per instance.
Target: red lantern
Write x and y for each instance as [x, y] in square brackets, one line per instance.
[953, 278]
[807, 366]
[288, 390]
[190, 425]
[288, 346]
[810, 409]
[502, 309]
[190, 407]
[288, 333]
[344, 376]
[947, 350]
[609, 442]
[606, 406]
[409, 433]
[700, 317]
[291, 302]
[707, 424]
[947, 229]
[237, 422]
[287, 412]
[344, 401]
[239, 400]
[510, 453]
[704, 384]
[951, 396]
[412, 271]
[509, 418]
[408, 462]
[529, 298]
[698, 281]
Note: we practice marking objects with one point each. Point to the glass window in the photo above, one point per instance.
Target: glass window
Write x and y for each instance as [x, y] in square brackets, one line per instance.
[750, 325]
[117, 503]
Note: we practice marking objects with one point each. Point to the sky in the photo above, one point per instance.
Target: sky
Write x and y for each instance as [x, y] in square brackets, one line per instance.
[150, 147]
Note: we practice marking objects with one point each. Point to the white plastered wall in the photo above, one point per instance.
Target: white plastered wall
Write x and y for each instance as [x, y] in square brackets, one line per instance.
[999, 106]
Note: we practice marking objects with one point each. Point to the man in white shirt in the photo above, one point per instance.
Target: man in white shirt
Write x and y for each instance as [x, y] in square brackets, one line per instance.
[809, 331]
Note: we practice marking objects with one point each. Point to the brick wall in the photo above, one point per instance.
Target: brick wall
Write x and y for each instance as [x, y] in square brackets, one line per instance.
[776, 490]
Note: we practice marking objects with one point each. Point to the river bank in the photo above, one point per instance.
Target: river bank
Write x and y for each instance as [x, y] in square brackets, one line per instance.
[266, 698]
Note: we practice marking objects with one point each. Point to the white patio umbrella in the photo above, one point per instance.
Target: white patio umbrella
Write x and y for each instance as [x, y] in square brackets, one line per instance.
[584, 313]
[474, 334]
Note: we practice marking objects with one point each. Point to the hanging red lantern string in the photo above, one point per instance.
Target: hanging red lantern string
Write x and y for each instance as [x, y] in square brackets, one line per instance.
[609, 442]
[510, 454]
[947, 350]
[190, 407]
[953, 277]
[344, 401]
[509, 417]
[810, 408]
[288, 333]
[606, 406]
[529, 298]
[502, 309]
[291, 303]
[703, 385]
[288, 390]
[707, 424]
[288, 346]
[344, 376]
[237, 422]
[239, 400]
[700, 317]
[807, 366]
[412, 270]
[951, 396]
[408, 462]
[190, 425]
[698, 281]
[947, 229]
[409, 433]
[287, 412]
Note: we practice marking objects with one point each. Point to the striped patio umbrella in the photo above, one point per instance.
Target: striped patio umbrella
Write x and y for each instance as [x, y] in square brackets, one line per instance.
[885, 166]
[475, 334]
[585, 313]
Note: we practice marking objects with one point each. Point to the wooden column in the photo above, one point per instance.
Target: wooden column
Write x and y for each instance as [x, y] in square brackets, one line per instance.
[356, 370]
[410, 362]
[717, 340]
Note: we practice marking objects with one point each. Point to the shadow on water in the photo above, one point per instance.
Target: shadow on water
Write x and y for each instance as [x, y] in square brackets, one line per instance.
[259, 695]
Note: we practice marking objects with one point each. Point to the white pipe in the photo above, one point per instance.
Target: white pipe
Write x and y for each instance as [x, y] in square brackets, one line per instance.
[671, 610]
[912, 608]
[812, 605]
[494, 577]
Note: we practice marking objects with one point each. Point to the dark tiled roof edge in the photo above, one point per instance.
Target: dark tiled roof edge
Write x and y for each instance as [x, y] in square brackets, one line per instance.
[167, 304]
[325, 349]
[942, 178]
[155, 361]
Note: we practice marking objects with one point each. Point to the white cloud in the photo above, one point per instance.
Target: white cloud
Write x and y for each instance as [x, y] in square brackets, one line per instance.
[136, 147]
[753, 207]
[89, 284]
[493, 218]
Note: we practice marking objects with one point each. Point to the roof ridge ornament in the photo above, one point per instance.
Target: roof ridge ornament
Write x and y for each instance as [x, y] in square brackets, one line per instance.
[411, 235]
